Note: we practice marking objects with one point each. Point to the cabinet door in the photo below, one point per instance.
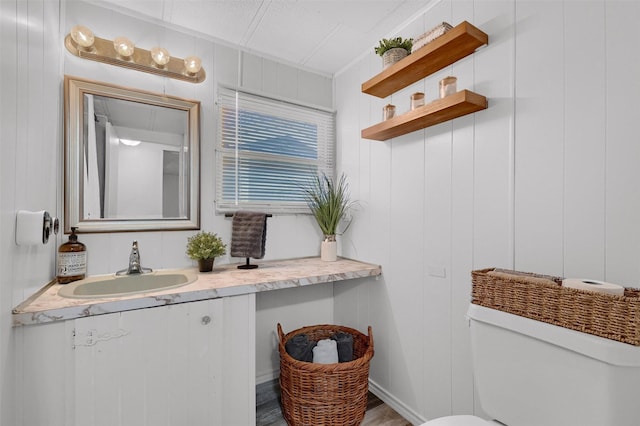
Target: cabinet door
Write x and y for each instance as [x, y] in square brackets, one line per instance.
[155, 367]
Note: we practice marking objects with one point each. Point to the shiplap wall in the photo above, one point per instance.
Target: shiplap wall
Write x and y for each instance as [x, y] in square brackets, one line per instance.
[30, 136]
[34, 62]
[545, 180]
[224, 65]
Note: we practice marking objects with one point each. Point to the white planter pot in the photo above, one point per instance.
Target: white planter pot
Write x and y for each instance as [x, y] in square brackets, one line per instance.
[329, 251]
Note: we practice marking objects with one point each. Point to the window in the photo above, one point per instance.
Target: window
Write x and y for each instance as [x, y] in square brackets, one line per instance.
[268, 150]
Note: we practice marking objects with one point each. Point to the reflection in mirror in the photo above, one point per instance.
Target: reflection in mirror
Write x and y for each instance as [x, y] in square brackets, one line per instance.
[137, 148]
[131, 159]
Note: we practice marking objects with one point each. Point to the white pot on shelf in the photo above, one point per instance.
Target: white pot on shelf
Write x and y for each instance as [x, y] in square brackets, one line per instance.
[329, 249]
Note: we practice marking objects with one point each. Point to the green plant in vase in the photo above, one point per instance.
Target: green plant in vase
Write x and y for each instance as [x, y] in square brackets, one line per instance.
[329, 203]
[205, 247]
[394, 43]
[394, 49]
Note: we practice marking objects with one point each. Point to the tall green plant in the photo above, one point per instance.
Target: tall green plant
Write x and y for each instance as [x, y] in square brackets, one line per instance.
[329, 201]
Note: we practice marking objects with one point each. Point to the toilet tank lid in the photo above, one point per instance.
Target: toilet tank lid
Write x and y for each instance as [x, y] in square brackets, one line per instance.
[605, 350]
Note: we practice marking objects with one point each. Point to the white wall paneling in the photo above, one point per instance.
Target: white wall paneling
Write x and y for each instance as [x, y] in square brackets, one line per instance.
[8, 135]
[461, 228]
[493, 138]
[622, 199]
[493, 171]
[437, 143]
[539, 155]
[544, 180]
[584, 139]
[30, 132]
[223, 65]
[31, 126]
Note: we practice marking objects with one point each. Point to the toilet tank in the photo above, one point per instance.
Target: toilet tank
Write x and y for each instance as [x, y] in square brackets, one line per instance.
[530, 373]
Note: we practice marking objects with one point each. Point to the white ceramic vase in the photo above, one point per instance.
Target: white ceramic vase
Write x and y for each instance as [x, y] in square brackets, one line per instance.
[329, 249]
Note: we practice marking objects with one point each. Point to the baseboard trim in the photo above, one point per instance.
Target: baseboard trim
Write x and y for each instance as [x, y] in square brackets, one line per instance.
[395, 403]
[267, 377]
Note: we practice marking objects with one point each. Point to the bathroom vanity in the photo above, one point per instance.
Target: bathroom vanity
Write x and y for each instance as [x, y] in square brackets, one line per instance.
[183, 355]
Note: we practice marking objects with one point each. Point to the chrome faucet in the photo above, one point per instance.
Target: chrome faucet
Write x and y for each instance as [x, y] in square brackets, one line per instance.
[134, 263]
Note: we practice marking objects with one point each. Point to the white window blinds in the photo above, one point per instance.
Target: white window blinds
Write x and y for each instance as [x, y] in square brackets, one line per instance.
[268, 150]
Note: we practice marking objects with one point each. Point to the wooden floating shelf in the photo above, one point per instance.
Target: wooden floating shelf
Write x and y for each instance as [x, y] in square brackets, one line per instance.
[455, 44]
[453, 106]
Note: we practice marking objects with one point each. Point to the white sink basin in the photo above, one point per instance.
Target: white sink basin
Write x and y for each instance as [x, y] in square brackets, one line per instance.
[113, 286]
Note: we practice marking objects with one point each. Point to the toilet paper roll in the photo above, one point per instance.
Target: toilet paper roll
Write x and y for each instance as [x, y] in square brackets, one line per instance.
[32, 228]
[593, 285]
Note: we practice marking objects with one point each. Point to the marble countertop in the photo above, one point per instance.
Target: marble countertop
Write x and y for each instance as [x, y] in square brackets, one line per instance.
[225, 280]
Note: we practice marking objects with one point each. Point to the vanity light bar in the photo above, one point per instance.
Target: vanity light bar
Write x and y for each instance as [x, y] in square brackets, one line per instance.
[82, 43]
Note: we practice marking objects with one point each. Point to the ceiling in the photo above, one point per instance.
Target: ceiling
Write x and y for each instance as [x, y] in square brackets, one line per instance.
[320, 35]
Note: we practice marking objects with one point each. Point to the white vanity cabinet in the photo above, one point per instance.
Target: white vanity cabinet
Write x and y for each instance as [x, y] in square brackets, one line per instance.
[178, 357]
[181, 364]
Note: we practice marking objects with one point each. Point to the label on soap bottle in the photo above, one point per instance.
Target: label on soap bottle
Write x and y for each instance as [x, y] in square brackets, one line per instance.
[72, 263]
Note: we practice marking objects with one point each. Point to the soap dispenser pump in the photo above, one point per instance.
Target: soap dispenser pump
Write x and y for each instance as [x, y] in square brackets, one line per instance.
[72, 260]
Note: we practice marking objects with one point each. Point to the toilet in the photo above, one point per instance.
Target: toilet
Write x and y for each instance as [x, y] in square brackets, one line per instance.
[530, 373]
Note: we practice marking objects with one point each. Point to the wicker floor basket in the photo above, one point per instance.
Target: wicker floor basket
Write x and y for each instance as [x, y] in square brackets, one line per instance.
[542, 297]
[325, 394]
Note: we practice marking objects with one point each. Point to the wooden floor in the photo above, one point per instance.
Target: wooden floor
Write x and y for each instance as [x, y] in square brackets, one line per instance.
[269, 413]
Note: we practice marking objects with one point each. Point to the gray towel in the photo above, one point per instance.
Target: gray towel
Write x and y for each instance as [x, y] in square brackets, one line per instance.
[300, 347]
[345, 346]
[248, 234]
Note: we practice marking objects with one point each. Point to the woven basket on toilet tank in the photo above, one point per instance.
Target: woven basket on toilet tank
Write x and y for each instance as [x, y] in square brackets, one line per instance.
[542, 298]
[325, 394]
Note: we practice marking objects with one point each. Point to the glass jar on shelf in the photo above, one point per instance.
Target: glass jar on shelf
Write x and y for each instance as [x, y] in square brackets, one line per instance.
[389, 111]
[448, 86]
[417, 100]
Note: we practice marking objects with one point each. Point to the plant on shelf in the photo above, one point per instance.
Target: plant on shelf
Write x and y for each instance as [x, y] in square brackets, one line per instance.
[205, 247]
[394, 43]
[392, 50]
[329, 203]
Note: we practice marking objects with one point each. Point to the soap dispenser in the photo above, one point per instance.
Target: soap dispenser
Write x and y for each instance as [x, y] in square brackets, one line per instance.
[72, 260]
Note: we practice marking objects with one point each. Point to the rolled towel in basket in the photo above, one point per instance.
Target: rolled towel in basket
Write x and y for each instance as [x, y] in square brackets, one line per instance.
[325, 352]
[345, 346]
[300, 347]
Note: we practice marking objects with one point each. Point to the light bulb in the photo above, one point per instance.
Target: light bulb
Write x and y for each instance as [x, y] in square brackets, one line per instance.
[160, 56]
[192, 64]
[123, 46]
[82, 35]
[129, 142]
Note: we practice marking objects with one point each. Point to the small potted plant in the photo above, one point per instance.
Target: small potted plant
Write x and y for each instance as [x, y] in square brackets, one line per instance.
[329, 203]
[205, 247]
[392, 50]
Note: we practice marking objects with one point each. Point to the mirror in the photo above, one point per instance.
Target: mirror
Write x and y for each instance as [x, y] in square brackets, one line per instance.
[131, 159]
